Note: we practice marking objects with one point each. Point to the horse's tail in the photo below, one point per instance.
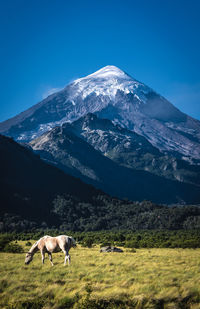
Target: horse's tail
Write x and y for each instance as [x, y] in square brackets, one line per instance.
[72, 242]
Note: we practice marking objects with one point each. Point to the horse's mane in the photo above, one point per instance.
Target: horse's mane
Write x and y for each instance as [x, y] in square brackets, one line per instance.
[34, 246]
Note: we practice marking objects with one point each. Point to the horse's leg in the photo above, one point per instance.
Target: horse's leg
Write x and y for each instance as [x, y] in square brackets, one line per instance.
[43, 256]
[67, 257]
[50, 258]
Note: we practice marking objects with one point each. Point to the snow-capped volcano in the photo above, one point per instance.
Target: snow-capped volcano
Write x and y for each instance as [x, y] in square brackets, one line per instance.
[108, 81]
[114, 95]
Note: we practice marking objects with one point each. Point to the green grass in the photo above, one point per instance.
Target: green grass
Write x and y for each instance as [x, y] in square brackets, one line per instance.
[149, 278]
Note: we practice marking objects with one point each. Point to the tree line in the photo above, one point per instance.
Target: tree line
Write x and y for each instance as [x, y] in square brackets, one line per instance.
[127, 239]
[106, 213]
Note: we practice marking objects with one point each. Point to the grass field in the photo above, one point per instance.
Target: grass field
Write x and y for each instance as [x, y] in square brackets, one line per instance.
[148, 278]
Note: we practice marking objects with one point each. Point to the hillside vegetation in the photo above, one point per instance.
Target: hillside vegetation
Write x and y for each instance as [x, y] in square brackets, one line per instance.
[102, 213]
[128, 239]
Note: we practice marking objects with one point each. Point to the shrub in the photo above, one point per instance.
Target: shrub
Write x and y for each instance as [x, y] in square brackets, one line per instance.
[132, 244]
[4, 240]
[13, 248]
[87, 242]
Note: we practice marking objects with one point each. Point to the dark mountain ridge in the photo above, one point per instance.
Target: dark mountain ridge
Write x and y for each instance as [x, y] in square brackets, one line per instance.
[29, 185]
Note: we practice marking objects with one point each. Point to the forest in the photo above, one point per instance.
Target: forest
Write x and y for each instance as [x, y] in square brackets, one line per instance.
[105, 213]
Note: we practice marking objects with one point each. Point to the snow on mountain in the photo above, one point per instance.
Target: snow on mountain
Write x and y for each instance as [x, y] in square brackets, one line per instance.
[108, 72]
[107, 82]
[113, 94]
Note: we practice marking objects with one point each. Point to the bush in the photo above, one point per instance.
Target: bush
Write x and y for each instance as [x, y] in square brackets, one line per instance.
[13, 248]
[87, 242]
[4, 240]
[132, 244]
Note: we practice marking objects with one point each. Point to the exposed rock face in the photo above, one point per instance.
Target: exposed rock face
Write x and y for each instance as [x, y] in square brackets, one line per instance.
[131, 150]
[116, 160]
[110, 249]
[113, 94]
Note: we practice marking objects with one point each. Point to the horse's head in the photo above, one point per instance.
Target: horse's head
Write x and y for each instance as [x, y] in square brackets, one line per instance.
[28, 258]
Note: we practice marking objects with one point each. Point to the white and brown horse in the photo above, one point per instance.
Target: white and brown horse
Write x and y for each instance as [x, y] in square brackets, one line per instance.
[48, 244]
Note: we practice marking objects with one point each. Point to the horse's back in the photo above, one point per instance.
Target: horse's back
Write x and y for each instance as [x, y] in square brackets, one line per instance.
[54, 244]
[63, 239]
[42, 240]
[48, 243]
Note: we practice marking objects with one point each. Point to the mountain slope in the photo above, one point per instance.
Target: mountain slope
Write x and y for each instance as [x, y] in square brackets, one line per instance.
[29, 185]
[61, 146]
[131, 150]
[114, 95]
[33, 191]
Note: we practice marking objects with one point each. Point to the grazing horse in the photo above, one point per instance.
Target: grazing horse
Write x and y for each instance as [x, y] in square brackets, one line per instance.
[48, 244]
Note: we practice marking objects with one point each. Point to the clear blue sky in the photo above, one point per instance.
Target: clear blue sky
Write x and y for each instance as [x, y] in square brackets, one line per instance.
[45, 44]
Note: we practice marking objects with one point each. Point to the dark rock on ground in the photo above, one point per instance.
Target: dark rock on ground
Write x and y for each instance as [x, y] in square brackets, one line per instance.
[110, 249]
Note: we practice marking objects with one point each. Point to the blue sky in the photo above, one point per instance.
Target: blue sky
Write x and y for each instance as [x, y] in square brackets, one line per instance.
[45, 44]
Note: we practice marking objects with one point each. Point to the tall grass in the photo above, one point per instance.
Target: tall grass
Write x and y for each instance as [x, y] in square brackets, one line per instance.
[148, 278]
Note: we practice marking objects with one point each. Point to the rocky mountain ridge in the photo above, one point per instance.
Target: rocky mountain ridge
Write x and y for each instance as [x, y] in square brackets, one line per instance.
[103, 154]
[132, 150]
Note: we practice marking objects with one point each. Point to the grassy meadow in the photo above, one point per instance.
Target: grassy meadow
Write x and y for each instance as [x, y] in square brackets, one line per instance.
[147, 278]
